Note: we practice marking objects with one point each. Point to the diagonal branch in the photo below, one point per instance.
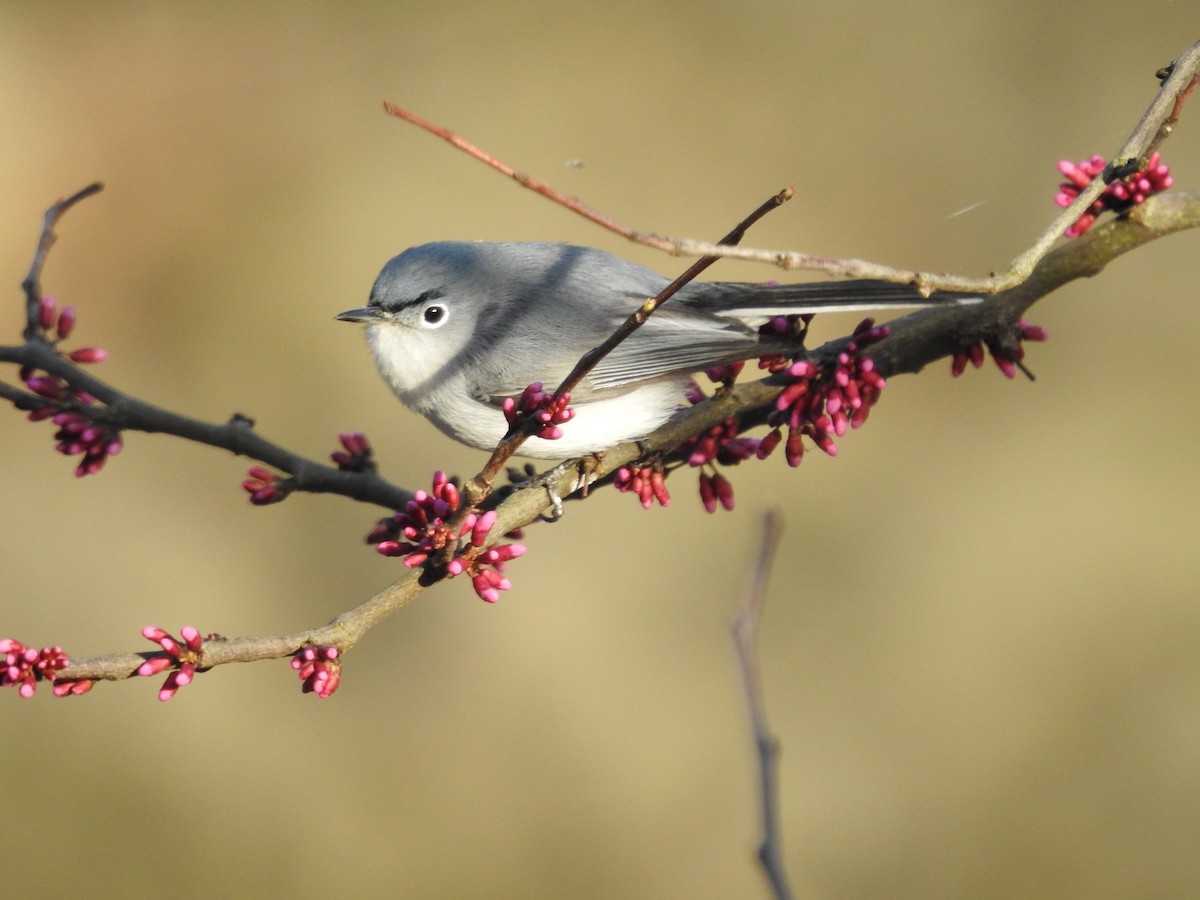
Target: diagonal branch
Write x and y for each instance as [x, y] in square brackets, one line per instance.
[523, 429]
[122, 411]
[1155, 126]
[915, 341]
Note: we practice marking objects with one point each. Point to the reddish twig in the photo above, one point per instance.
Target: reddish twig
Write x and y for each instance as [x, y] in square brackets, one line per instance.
[1178, 80]
[528, 181]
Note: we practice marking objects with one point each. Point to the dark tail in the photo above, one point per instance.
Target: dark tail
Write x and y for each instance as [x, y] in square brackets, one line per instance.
[750, 301]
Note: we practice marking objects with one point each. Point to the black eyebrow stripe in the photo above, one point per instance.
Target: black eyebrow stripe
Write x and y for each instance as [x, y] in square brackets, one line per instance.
[431, 294]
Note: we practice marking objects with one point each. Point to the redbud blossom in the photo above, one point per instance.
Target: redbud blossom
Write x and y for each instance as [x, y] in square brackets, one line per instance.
[264, 486]
[319, 668]
[356, 455]
[183, 656]
[66, 322]
[821, 404]
[77, 433]
[543, 407]
[422, 530]
[647, 482]
[23, 667]
[1120, 196]
[1006, 354]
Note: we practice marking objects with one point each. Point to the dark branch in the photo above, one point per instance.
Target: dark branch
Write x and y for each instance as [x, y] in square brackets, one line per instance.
[32, 285]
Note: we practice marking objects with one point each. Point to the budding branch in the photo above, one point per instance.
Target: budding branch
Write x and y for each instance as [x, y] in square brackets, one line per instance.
[915, 341]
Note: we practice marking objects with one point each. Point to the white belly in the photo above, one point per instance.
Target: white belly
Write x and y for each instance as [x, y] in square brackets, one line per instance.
[597, 425]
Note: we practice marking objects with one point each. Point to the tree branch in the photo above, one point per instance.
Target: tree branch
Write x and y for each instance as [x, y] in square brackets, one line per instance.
[914, 341]
[1154, 126]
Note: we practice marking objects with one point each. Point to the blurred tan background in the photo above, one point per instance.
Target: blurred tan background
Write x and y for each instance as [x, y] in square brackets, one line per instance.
[982, 643]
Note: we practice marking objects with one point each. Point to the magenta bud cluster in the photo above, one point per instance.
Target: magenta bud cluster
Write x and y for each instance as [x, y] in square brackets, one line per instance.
[1006, 355]
[714, 488]
[24, 667]
[181, 656]
[649, 483]
[824, 404]
[543, 407]
[319, 668]
[423, 530]
[66, 407]
[264, 486]
[793, 328]
[78, 436]
[1118, 197]
[818, 403]
[721, 444]
[356, 454]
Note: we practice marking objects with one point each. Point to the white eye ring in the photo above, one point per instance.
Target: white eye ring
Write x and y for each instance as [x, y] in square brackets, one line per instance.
[434, 315]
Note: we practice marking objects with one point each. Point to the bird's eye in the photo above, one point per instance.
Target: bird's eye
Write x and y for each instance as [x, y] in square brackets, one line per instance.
[434, 315]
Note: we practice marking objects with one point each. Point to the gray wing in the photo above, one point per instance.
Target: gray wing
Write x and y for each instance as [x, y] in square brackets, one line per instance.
[704, 325]
[677, 342]
[713, 323]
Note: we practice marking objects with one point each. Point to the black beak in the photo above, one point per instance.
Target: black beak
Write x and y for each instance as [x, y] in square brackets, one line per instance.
[366, 314]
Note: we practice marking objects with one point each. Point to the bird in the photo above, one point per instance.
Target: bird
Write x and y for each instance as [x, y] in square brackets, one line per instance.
[456, 327]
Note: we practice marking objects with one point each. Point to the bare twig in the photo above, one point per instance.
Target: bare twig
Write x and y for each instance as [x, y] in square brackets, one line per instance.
[915, 341]
[1155, 125]
[127, 413]
[32, 285]
[744, 629]
[124, 412]
[522, 429]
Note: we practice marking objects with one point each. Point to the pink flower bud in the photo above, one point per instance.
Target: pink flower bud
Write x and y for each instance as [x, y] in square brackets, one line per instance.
[46, 313]
[66, 322]
[481, 528]
[88, 355]
[484, 589]
[45, 386]
[723, 489]
[708, 495]
[155, 665]
[794, 449]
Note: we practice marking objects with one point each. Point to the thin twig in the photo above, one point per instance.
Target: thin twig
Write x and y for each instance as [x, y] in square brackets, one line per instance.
[523, 429]
[744, 629]
[528, 181]
[122, 411]
[915, 341]
[1155, 125]
[32, 285]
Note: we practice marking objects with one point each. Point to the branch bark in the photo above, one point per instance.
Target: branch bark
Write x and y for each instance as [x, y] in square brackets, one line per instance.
[915, 341]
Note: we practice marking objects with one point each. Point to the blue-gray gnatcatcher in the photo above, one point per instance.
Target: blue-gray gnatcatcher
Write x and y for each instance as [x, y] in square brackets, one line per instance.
[457, 327]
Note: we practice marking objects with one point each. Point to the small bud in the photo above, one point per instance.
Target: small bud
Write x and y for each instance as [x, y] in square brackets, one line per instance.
[46, 313]
[66, 322]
